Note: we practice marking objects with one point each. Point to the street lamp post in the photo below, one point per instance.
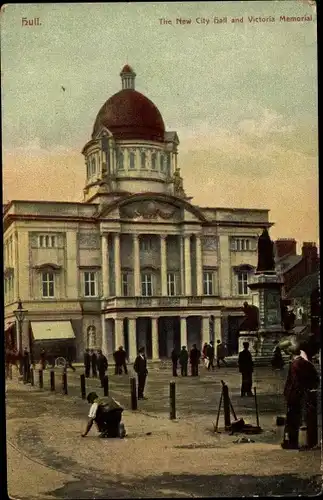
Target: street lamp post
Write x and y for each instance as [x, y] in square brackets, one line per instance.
[20, 314]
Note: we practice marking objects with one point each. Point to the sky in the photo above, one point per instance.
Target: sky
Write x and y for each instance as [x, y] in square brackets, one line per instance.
[241, 96]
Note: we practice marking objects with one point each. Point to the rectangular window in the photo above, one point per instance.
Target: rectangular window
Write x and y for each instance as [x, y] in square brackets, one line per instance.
[146, 285]
[132, 160]
[145, 245]
[161, 162]
[168, 163]
[153, 161]
[208, 283]
[243, 283]
[242, 244]
[90, 284]
[47, 241]
[143, 160]
[48, 285]
[171, 284]
[125, 285]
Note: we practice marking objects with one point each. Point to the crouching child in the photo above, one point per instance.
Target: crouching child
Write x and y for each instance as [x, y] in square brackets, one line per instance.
[106, 412]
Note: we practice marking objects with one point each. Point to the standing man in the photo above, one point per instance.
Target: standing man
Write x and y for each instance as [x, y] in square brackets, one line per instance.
[300, 393]
[174, 357]
[220, 353]
[195, 355]
[123, 360]
[116, 357]
[43, 359]
[210, 354]
[94, 360]
[102, 364]
[87, 362]
[246, 369]
[26, 365]
[277, 361]
[140, 367]
[183, 361]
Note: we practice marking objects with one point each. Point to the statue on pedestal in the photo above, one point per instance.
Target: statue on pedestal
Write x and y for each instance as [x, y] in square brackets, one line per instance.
[178, 183]
[266, 261]
[251, 321]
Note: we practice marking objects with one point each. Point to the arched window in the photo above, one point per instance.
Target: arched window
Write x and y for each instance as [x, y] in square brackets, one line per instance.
[120, 164]
[143, 159]
[93, 165]
[88, 174]
[168, 163]
[162, 163]
[132, 160]
[153, 161]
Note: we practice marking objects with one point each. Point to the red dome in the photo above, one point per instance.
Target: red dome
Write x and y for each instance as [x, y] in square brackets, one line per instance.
[130, 115]
[127, 69]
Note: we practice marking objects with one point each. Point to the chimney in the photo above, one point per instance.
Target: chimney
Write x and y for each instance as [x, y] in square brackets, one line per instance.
[285, 246]
[310, 255]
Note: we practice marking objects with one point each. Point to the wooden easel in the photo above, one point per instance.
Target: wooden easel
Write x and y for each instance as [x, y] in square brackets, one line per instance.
[227, 408]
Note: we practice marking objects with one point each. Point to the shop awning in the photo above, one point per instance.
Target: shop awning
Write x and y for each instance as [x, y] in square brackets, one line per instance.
[52, 330]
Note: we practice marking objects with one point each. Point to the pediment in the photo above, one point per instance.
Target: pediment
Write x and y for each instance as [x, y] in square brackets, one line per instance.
[153, 206]
[150, 210]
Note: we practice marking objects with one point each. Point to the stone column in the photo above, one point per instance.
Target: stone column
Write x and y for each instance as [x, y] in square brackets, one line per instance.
[199, 266]
[163, 264]
[136, 265]
[105, 266]
[118, 332]
[104, 338]
[187, 263]
[217, 329]
[117, 264]
[205, 337]
[132, 339]
[183, 331]
[182, 267]
[154, 338]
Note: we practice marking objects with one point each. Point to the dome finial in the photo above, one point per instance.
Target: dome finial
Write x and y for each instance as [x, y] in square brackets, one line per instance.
[128, 78]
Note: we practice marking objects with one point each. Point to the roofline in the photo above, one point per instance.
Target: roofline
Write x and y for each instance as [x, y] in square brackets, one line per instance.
[10, 203]
[236, 209]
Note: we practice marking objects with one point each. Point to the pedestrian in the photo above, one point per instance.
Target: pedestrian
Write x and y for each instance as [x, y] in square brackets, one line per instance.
[69, 357]
[43, 359]
[116, 357]
[204, 350]
[300, 392]
[26, 365]
[102, 364]
[210, 355]
[195, 355]
[123, 360]
[277, 361]
[245, 363]
[140, 367]
[220, 353]
[174, 357]
[87, 362]
[183, 361]
[94, 360]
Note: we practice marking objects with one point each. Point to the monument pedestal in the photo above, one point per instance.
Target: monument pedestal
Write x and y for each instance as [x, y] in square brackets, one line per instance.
[266, 295]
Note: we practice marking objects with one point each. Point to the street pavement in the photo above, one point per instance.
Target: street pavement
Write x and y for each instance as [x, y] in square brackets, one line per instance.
[47, 458]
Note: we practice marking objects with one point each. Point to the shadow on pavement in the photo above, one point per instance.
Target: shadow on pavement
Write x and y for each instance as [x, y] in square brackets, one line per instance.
[168, 485]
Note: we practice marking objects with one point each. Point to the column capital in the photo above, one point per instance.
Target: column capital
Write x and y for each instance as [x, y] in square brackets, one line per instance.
[163, 236]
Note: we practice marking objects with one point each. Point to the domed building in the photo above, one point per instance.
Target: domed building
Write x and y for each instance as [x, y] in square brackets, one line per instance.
[136, 263]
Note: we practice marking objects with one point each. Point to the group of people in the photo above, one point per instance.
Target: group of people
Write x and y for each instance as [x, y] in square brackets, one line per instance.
[209, 354]
[183, 357]
[96, 361]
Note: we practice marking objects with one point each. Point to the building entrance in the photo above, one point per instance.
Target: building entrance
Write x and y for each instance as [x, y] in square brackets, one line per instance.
[169, 335]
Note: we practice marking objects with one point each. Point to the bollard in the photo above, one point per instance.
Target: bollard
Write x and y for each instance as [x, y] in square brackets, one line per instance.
[40, 378]
[83, 389]
[105, 385]
[226, 407]
[32, 377]
[64, 382]
[133, 392]
[52, 380]
[172, 412]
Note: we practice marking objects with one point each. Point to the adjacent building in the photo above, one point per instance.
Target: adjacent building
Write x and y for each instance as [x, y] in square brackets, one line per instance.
[137, 262]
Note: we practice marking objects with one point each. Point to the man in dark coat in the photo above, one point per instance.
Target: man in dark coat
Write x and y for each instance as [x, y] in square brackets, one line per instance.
[277, 361]
[210, 352]
[195, 355]
[26, 365]
[246, 369]
[220, 353]
[43, 359]
[94, 363]
[116, 357]
[120, 359]
[174, 357]
[102, 364]
[140, 367]
[183, 361]
[300, 392]
[87, 362]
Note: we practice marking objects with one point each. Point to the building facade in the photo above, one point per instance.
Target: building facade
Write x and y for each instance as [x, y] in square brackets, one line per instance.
[136, 263]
